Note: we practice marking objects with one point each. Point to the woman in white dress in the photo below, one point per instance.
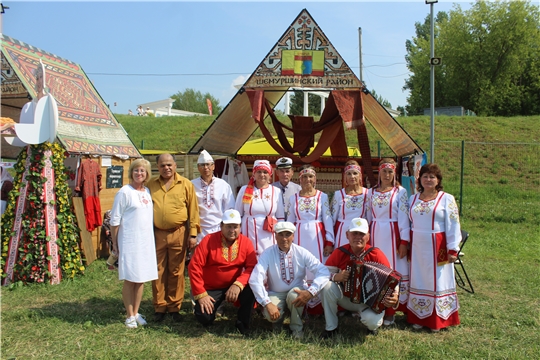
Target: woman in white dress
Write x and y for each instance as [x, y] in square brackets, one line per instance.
[256, 201]
[350, 202]
[390, 227]
[310, 212]
[435, 237]
[132, 231]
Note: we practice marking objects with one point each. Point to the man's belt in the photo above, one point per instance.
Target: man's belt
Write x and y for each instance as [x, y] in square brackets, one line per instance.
[171, 230]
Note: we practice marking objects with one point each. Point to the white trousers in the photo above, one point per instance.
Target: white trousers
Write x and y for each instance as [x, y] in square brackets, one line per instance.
[283, 301]
[332, 296]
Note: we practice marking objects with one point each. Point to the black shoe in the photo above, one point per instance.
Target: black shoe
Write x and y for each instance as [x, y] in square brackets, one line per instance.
[244, 330]
[175, 316]
[373, 332]
[159, 316]
[328, 334]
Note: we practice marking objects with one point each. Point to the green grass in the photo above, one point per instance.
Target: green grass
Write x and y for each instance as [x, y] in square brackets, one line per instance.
[83, 318]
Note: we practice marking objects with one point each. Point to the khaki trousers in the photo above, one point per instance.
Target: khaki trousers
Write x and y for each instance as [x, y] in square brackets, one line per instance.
[332, 296]
[168, 289]
[284, 301]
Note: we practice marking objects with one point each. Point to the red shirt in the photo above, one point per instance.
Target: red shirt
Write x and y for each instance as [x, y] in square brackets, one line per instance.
[338, 259]
[216, 266]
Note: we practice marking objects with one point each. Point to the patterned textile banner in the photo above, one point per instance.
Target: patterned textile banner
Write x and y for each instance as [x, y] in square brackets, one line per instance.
[85, 124]
[17, 225]
[50, 220]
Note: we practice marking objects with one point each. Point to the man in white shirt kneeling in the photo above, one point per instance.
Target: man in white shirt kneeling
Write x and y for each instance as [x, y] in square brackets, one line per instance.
[284, 266]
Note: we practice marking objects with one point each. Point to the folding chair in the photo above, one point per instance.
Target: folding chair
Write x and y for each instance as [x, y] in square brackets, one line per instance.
[459, 279]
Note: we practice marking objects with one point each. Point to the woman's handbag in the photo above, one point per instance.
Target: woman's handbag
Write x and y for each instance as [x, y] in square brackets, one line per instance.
[269, 223]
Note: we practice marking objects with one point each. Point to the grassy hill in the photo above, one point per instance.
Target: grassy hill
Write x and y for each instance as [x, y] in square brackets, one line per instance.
[180, 133]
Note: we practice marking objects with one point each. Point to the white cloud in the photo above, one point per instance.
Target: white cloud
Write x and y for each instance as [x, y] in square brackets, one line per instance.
[239, 81]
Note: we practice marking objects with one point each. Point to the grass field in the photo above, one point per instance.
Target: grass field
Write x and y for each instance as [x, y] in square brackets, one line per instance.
[83, 318]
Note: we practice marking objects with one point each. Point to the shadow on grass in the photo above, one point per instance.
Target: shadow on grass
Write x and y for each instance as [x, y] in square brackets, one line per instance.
[104, 312]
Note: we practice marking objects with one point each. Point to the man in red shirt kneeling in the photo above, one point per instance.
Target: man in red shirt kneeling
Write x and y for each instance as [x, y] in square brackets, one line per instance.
[220, 269]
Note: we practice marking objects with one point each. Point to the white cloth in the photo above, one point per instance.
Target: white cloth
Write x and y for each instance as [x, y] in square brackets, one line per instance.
[286, 193]
[264, 202]
[285, 271]
[344, 209]
[133, 212]
[432, 286]
[389, 224]
[213, 200]
[235, 173]
[313, 221]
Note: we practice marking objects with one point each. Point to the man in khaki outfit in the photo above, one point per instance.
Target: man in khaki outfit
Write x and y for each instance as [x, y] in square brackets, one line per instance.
[176, 225]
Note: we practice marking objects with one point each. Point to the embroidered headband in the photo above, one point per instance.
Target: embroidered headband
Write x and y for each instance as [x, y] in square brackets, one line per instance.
[387, 166]
[352, 167]
[262, 165]
[307, 171]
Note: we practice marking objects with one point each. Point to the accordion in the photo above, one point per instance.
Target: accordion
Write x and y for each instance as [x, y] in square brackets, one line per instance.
[369, 283]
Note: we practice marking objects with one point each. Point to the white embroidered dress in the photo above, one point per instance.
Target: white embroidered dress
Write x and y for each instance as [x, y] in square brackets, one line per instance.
[313, 221]
[213, 199]
[389, 226]
[435, 230]
[133, 212]
[264, 202]
[344, 209]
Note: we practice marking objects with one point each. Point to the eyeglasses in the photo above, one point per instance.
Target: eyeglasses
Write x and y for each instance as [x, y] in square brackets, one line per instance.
[206, 165]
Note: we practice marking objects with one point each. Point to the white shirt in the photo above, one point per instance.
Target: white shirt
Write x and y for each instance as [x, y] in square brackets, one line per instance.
[213, 200]
[286, 271]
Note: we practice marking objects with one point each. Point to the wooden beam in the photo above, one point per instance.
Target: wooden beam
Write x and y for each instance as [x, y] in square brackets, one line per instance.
[86, 236]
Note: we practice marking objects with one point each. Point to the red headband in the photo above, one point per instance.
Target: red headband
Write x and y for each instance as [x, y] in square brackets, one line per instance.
[263, 166]
[352, 167]
[307, 171]
[387, 166]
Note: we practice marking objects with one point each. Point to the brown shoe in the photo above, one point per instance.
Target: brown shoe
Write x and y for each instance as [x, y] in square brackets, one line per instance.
[175, 316]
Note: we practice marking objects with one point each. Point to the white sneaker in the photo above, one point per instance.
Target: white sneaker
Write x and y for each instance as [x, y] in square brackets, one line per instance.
[417, 327]
[140, 319]
[298, 335]
[131, 322]
[389, 320]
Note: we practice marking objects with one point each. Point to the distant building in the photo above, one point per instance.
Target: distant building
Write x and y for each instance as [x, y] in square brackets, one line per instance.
[164, 108]
[450, 111]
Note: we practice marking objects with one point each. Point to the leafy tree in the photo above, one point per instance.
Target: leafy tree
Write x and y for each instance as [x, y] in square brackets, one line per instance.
[380, 99]
[491, 60]
[296, 106]
[195, 101]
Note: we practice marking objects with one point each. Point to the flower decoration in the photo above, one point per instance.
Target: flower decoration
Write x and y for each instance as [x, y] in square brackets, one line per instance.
[32, 259]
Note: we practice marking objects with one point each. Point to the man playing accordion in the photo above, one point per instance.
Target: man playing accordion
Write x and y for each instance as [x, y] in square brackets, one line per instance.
[333, 292]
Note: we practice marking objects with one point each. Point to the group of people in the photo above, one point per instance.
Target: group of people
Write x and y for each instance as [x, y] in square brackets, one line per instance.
[284, 245]
[141, 111]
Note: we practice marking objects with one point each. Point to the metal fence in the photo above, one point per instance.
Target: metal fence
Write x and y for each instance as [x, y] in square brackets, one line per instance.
[499, 169]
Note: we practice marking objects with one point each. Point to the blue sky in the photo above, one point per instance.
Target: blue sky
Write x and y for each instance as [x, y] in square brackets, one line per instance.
[210, 46]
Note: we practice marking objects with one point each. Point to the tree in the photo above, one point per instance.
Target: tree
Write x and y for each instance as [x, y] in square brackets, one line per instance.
[195, 101]
[380, 99]
[297, 104]
[491, 60]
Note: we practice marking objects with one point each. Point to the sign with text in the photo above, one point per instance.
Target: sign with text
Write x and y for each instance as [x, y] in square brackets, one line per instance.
[115, 177]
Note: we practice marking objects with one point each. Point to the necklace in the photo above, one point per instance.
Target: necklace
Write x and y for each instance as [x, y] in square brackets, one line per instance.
[428, 197]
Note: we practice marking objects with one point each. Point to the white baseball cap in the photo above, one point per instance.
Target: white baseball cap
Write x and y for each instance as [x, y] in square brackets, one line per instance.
[231, 216]
[284, 226]
[359, 224]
